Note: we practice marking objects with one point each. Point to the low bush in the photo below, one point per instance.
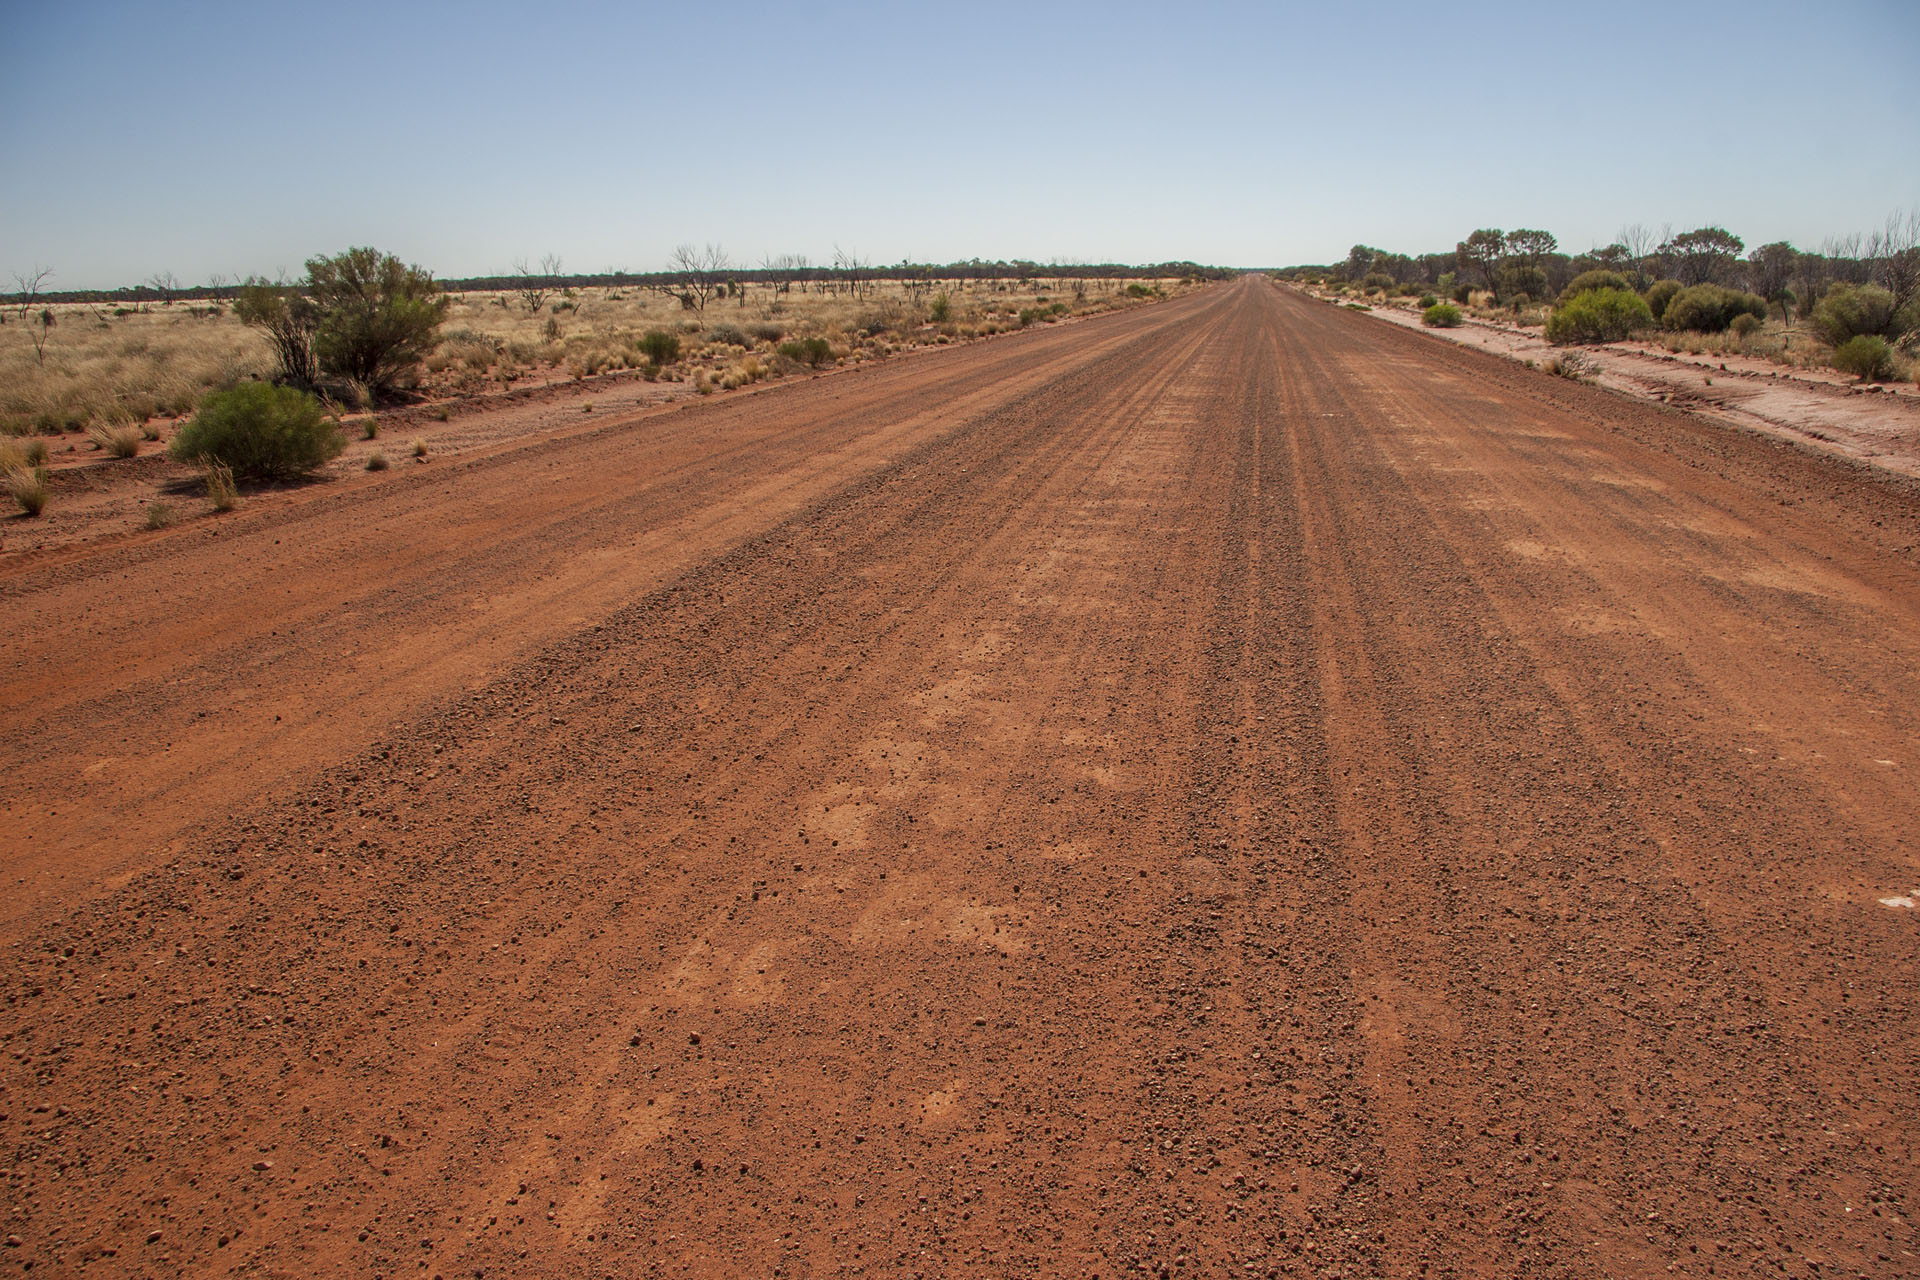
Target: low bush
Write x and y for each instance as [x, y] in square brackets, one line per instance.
[1599, 315]
[808, 351]
[1745, 325]
[160, 514]
[1849, 311]
[1426, 300]
[1138, 290]
[765, 332]
[659, 346]
[1589, 282]
[1441, 315]
[1461, 293]
[1710, 308]
[1867, 356]
[376, 461]
[1659, 294]
[729, 335]
[261, 432]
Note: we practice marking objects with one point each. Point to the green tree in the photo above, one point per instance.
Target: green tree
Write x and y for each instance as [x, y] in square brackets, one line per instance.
[378, 317]
[1703, 255]
[1481, 253]
[1771, 267]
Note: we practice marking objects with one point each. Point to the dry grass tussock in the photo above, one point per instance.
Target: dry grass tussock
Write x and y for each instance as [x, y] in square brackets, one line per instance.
[107, 368]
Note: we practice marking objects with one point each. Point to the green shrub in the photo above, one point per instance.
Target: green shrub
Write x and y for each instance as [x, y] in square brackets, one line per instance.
[1377, 280]
[940, 310]
[1515, 278]
[1599, 315]
[1709, 308]
[1426, 300]
[1441, 315]
[1462, 293]
[1867, 356]
[1660, 294]
[811, 351]
[1849, 311]
[659, 346]
[260, 431]
[729, 335]
[378, 317]
[1745, 325]
[764, 332]
[1138, 290]
[1589, 281]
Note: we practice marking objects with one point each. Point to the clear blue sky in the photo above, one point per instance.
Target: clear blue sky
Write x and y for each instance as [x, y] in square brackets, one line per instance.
[199, 137]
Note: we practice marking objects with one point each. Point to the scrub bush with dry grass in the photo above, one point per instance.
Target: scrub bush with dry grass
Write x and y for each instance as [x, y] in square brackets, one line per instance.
[1866, 356]
[116, 441]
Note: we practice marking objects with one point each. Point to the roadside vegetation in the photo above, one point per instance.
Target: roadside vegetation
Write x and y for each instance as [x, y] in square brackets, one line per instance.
[1853, 306]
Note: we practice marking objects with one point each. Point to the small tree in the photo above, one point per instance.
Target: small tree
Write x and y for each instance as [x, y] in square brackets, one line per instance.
[701, 272]
[289, 318]
[29, 284]
[166, 284]
[378, 316]
[39, 333]
[533, 289]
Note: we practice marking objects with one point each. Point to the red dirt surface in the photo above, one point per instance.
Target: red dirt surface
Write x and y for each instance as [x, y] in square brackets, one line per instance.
[1230, 788]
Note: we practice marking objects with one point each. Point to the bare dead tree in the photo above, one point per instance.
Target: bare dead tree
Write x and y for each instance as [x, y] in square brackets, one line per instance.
[532, 287]
[166, 284]
[1895, 253]
[219, 286]
[702, 271]
[30, 284]
[851, 268]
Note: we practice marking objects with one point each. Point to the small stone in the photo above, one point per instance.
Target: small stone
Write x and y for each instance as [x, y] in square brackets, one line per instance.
[153, 1237]
[261, 1166]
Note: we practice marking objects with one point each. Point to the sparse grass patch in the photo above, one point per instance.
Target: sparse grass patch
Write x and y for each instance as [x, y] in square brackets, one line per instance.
[160, 514]
[116, 441]
[217, 476]
[418, 448]
[27, 486]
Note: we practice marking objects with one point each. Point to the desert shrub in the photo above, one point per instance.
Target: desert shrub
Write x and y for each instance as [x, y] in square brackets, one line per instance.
[729, 335]
[1849, 311]
[28, 487]
[808, 351]
[1441, 315]
[1659, 294]
[1867, 356]
[1599, 315]
[289, 318]
[1745, 325]
[1710, 308]
[1461, 293]
[261, 432]
[940, 310]
[418, 448]
[1515, 278]
[1138, 290]
[1377, 280]
[378, 317]
[160, 514]
[1589, 281]
[377, 461]
[1426, 300]
[765, 332]
[659, 346]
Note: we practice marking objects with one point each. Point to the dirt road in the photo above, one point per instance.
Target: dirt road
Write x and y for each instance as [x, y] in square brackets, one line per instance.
[1226, 789]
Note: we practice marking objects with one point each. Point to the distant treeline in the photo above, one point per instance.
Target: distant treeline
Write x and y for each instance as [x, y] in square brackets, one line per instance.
[1527, 265]
[846, 272]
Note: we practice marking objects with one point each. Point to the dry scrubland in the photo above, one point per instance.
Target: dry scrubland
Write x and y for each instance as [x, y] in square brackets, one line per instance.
[1789, 344]
[106, 366]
